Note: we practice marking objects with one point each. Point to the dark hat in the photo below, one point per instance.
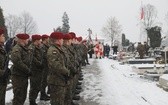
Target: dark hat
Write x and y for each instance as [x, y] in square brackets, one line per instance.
[67, 36]
[36, 37]
[56, 35]
[45, 36]
[1, 31]
[72, 34]
[23, 36]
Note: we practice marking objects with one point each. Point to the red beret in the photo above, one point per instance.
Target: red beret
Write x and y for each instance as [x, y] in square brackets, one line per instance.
[23, 36]
[45, 36]
[36, 37]
[56, 35]
[1, 31]
[79, 38]
[72, 34]
[67, 36]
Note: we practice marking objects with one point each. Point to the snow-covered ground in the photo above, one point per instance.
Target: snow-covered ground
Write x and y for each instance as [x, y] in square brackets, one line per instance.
[110, 83]
[106, 82]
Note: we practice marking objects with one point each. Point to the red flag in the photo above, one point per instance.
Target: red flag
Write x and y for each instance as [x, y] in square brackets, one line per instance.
[142, 13]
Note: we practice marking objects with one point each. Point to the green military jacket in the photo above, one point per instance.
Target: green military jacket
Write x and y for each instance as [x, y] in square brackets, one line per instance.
[45, 49]
[71, 60]
[2, 60]
[20, 57]
[37, 58]
[56, 63]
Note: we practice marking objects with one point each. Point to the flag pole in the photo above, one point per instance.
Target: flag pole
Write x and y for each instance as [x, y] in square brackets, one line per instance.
[141, 18]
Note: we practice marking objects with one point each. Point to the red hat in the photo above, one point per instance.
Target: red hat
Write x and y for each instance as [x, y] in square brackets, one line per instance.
[36, 37]
[1, 31]
[67, 36]
[79, 39]
[72, 34]
[45, 36]
[56, 35]
[23, 36]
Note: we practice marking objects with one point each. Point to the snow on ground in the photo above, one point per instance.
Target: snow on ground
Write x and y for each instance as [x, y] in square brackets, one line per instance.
[121, 86]
[106, 82]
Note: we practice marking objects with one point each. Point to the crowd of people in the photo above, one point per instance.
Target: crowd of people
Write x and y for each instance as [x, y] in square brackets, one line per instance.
[52, 61]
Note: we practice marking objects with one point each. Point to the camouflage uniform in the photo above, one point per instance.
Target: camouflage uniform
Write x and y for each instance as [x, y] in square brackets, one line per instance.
[45, 70]
[20, 71]
[3, 83]
[84, 50]
[36, 68]
[70, 65]
[57, 74]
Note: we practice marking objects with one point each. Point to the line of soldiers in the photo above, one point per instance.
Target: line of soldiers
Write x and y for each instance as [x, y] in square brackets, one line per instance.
[54, 62]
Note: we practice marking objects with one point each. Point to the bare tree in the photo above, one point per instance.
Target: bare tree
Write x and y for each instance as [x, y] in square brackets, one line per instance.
[29, 26]
[150, 15]
[13, 24]
[112, 29]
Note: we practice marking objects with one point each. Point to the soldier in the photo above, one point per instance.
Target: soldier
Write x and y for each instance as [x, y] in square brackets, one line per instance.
[140, 50]
[45, 46]
[36, 68]
[21, 69]
[85, 51]
[3, 73]
[58, 73]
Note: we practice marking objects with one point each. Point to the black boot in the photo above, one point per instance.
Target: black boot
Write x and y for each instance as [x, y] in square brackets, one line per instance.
[44, 97]
[73, 103]
[32, 102]
[79, 87]
[76, 97]
[79, 83]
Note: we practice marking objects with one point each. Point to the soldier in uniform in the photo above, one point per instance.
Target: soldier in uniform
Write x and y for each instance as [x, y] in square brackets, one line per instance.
[71, 67]
[21, 69]
[58, 73]
[45, 46]
[36, 68]
[140, 49]
[3, 74]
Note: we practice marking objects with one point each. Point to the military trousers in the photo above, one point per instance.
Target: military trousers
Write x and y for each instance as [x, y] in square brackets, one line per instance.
[35, 85]
[57, 94]
[2, 93]
[68, 93]
[44, 81]
[20, 85]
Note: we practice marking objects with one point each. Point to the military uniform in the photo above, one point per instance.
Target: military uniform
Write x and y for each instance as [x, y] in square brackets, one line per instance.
[36, 68]
[57, 75]
[45, 70]
[3, 81]
[71, 67]
[20, 72]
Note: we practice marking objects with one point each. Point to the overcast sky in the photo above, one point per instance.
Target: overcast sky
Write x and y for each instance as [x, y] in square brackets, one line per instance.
[84, 14]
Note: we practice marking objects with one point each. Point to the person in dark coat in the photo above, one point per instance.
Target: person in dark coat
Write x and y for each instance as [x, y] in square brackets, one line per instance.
[3, 74]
